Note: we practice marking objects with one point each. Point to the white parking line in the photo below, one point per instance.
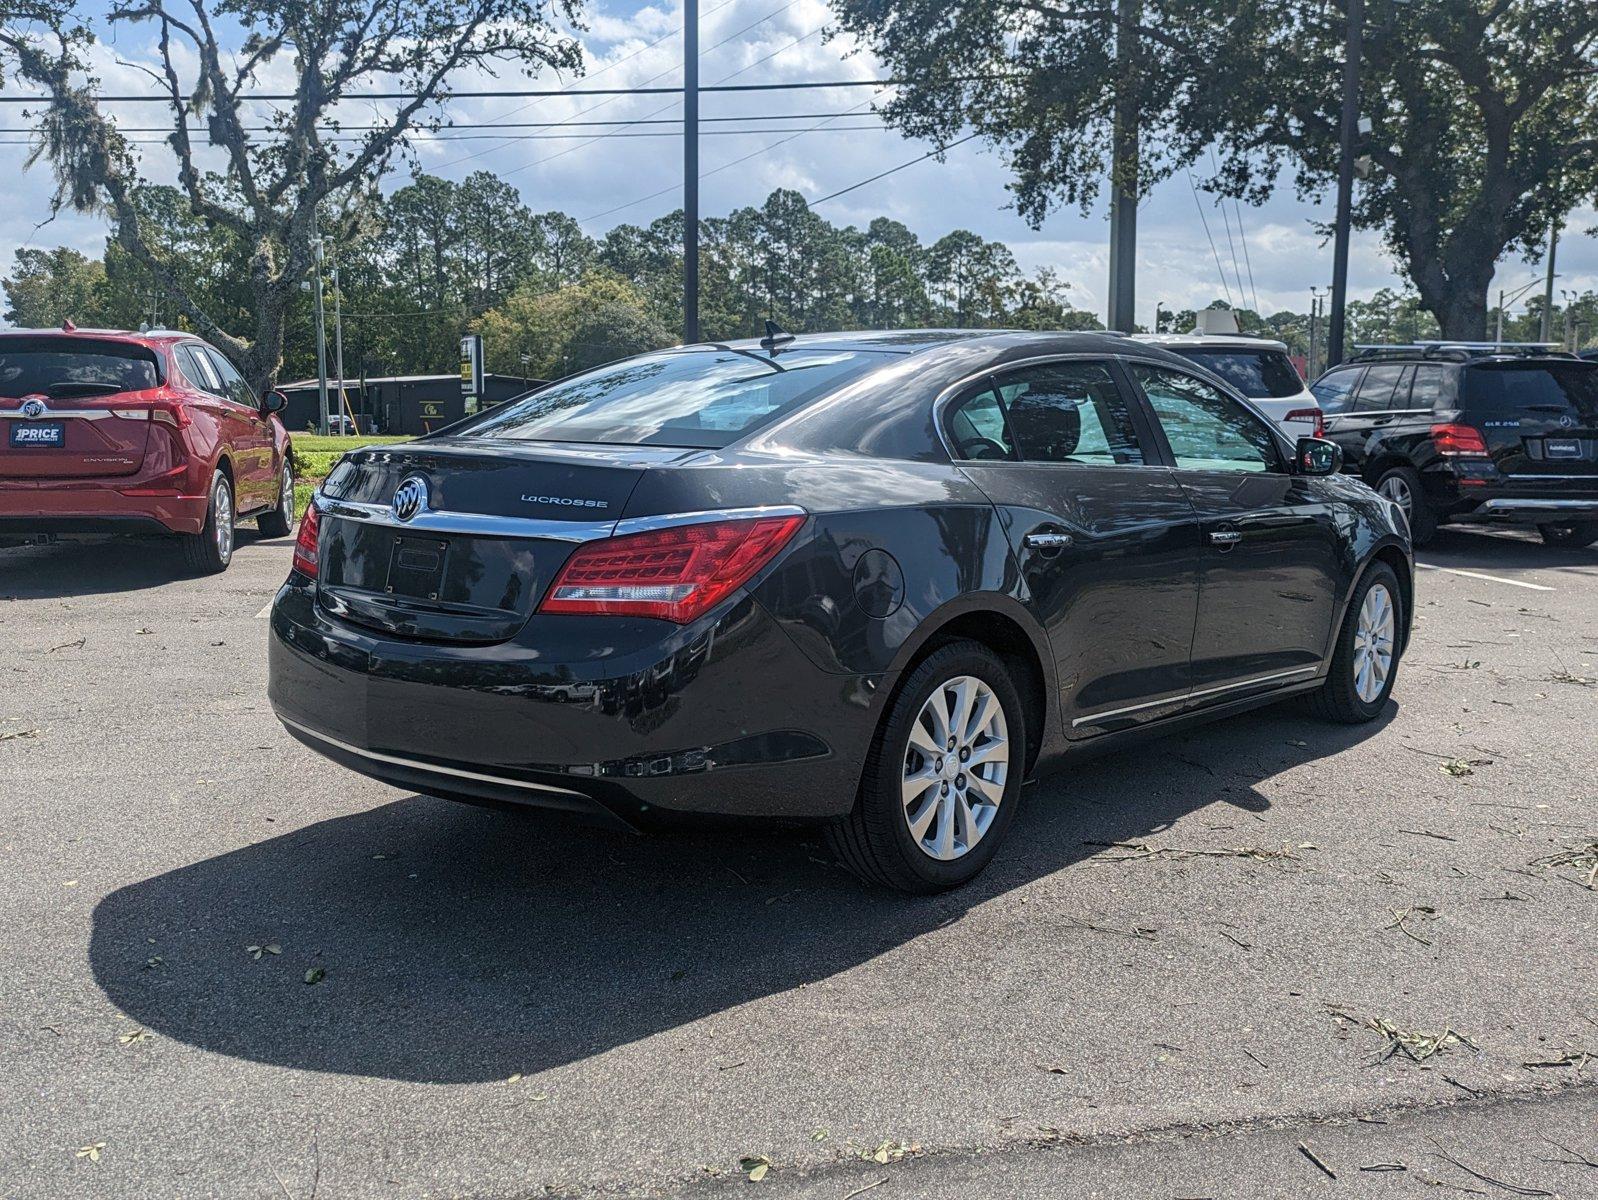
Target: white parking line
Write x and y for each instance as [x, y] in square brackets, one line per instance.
[1521, 583]
[265, 612]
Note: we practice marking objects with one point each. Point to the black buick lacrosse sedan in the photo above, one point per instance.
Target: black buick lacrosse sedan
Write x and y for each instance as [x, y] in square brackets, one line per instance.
[875, 580]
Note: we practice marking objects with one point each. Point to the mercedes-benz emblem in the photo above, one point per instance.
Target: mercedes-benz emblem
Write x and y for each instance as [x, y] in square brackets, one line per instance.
[33, 409]
[1567, 422]
[410, 497]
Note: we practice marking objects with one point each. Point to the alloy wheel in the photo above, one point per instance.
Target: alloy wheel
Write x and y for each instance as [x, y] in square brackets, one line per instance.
[1396, 488]
[955, 768]
[1373, 643]
[223, 509]
[285, 499]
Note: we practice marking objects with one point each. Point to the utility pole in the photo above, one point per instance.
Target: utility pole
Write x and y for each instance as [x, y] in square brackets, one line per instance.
[1548, 284]
[690, 171]
[1124, 171]
[338, 345]
[1347, 132]
[321, 331]
[1317, 301]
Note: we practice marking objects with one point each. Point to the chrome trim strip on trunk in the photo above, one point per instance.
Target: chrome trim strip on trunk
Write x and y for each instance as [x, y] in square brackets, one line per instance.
[81, 414]
[412, 764]
[1093, 718]
[490, 525]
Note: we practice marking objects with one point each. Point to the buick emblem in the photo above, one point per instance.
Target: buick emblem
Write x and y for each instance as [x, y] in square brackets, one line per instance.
[33, 409]
[410, 498]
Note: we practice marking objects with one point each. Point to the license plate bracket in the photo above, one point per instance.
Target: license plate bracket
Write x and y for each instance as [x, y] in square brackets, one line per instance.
[38, 434]
[416, 567]
[1561, 447]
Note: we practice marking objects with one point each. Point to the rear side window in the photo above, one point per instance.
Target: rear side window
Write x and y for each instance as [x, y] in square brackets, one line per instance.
[1429, 387]
[1334, 391]
[1258, 374]
[1068, 412]
[1382, 383]
[197, 366]
[1549, 389]
[697, 398]
[61, 367]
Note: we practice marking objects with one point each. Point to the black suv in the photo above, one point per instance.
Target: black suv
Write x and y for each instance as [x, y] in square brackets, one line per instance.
[1472, 432]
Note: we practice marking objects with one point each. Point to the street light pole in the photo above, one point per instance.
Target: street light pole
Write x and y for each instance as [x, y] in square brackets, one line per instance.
[1124, 171]
[1347, 132]
[321, 332]
[1548, 284]
[690, 172]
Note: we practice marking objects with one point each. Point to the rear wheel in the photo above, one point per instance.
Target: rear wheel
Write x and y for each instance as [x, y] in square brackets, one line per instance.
[1365, 662]
[1401, 485]
[942, 781]
[1570, 537]
[280, 521]
[209, 551]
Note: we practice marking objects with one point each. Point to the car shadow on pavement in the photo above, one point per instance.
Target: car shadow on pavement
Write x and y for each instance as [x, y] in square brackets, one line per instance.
[62, 570]
[1477, 549]
[449, 944]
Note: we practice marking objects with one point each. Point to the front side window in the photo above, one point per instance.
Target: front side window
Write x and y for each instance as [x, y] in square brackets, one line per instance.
[1258, 374]
[1207, 429]
[702, 399]
[1334, 391]
[233, 385]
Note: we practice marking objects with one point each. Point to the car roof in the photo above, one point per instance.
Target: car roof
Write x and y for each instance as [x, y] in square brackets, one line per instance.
[131, 336]
[1217, 341]
[928, 341]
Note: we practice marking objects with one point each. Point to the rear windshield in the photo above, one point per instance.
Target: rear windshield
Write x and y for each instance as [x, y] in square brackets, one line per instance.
[696, 398]
[73, 367]
[1557, 389]
[1258, 374]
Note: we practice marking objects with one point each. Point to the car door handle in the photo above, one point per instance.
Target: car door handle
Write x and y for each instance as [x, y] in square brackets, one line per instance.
[1046, 541]
[1225, 537]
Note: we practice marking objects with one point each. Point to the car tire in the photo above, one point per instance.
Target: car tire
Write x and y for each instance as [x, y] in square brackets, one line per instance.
[1402, 485]
[211, 550]
[1349, 696]
[1570, 537]
[280, 521]
[875, 840]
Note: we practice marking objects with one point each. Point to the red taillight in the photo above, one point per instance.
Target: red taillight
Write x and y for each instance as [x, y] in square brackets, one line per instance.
[305, 542]
[1312, 415]
[675, 574]
[1459, 441]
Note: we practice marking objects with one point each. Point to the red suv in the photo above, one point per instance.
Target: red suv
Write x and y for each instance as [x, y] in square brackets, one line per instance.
[104, 432]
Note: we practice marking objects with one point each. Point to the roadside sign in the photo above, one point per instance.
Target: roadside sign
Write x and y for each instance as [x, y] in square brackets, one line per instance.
[472, 371]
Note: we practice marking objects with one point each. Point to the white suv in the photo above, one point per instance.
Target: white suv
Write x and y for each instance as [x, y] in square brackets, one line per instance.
[1258, 368]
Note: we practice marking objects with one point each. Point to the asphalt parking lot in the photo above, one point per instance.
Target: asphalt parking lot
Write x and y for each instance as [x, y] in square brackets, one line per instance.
[1239, 962]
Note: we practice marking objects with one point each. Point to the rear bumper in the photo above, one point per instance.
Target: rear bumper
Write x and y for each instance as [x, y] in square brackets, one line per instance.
[727, 717]
[1524, 510]
[29, 507]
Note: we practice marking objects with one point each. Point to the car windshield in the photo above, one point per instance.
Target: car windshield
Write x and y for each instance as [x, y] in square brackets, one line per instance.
[1564, 388]
[694, 398]
[73, 367]
[1258, 374]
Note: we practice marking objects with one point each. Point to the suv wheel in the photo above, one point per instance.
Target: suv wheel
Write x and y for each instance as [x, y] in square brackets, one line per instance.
[1401, 485]
[1365, 662]
[942, 781]
[209, 551]
[1570, 537]
[280, 521]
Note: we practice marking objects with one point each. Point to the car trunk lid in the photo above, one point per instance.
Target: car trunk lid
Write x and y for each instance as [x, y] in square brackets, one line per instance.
[472, 561]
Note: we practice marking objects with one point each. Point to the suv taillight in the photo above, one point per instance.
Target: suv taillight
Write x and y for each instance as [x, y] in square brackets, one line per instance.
[1459, 441]
[674, 574]
[305, 542]
[1312, 415]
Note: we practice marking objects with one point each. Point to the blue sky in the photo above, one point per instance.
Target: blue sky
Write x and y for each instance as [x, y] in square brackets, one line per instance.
[1176, 265]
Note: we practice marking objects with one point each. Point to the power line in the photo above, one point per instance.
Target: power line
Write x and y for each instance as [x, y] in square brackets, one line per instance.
[894, 170]
[1226, 287]
[513, 93]
[453, 125]
[1238, 208]
[560, 137]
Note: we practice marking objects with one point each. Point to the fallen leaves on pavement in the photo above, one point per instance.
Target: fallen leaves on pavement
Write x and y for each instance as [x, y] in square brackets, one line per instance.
[1414, 1044]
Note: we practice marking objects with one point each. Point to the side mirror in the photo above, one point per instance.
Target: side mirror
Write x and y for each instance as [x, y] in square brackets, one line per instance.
[276, 402]
[1317, 456]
